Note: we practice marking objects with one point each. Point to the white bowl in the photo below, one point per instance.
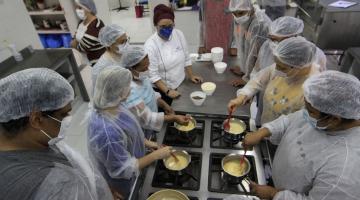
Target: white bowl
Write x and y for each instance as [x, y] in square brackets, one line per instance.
[198, 94]
[217, 54]
[220, 67]
[208, 88]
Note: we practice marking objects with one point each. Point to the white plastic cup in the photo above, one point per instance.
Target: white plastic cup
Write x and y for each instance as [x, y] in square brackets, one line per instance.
[198, 102]
[208, 88]
[220, 67]
[217, 54]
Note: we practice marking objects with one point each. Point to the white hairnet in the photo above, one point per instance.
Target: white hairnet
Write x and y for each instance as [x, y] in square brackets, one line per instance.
[295, 52]
[286, 27]
[37, 89]
[240, 5]
[88, 4]
[110, 33]
[112, 86]
[334, 93]
[132, 56]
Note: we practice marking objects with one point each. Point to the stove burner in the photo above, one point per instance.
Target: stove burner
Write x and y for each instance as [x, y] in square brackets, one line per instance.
[217, 182]
[219, 141]
[194, 138]
[191, 198]
[188, 179]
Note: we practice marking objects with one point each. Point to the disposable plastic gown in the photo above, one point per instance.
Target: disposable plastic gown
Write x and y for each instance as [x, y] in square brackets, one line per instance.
[142, 102]
[248, 38]
[281, 95]
[312, 164]
[115, 144]
[57, 173]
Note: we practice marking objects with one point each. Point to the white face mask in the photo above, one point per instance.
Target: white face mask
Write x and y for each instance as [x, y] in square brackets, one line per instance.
[313, 122]
[65, 125]
[242, 19]
[280, 73]
[80, 13]
[122, 48]
[142, 75]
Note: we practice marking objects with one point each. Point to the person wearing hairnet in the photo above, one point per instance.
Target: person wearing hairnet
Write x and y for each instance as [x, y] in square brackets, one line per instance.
[115, 139]
[281, 82]
[318, 152]
[250, 32]
[168, 54]
[143, 101]
[86, 36]
[115, 39]
[35, 162]
[279, 30]
[273, 8]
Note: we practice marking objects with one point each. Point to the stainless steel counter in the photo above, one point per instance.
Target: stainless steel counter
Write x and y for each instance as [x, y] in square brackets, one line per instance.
[213, 108]
[59, 60]
[215, 104]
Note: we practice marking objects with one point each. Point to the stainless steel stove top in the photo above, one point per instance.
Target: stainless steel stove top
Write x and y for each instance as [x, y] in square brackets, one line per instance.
[209, 185]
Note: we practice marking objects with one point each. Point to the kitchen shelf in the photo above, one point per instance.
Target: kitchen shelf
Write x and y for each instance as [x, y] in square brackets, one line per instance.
[39, 13]
[52, 31]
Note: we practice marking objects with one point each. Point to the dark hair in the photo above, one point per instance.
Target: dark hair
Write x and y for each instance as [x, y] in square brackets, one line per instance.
[323, 115]
[14, 127]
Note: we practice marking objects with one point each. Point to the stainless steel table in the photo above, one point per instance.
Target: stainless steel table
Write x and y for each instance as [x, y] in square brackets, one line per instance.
[59, 60]
[217, 103]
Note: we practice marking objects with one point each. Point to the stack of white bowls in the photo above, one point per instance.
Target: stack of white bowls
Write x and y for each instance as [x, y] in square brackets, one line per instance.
[217, 54]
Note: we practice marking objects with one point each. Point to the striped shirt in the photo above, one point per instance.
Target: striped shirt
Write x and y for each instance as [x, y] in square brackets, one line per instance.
[90, 44]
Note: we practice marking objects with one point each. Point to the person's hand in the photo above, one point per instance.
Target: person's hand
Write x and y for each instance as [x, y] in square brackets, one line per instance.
[116, 194]
[233, 51]
[251, 139]
[236, 70]
[74, 43]
[163, 152]
[173, 94]
[168, 109]
[239, 101]
[238, 82]
[182, 120]
[196, 79]
[152, 145]
[263, 191]
[202, 50]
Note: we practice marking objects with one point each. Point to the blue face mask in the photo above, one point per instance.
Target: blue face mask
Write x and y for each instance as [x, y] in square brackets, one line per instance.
[313, 122]
[166, 32]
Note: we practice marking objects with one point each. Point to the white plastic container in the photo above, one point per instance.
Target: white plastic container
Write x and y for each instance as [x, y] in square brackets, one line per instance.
[220, 67]
[208, 88]
[217, 54]
[201, 98]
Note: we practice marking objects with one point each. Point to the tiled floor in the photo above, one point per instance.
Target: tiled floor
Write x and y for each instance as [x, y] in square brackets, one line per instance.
[139, 29]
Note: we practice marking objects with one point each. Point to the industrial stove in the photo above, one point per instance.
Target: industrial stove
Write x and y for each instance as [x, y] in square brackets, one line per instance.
[204, 178]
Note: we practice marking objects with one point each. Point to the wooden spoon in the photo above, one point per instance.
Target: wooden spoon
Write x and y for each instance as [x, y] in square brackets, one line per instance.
[227, 123]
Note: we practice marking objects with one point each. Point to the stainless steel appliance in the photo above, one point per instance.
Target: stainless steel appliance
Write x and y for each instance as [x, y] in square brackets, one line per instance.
[328, 27]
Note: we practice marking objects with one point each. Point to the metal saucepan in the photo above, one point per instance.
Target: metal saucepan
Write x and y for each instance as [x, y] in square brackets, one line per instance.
[185, 129]
[184, 160]
[228, 162]
[234, 137]
[168, 195]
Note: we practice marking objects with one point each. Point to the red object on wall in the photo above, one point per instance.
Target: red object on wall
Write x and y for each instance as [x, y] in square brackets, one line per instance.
[218, 25]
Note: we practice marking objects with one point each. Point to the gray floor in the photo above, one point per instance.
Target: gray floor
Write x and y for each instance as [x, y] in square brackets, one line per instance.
[139, 29]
